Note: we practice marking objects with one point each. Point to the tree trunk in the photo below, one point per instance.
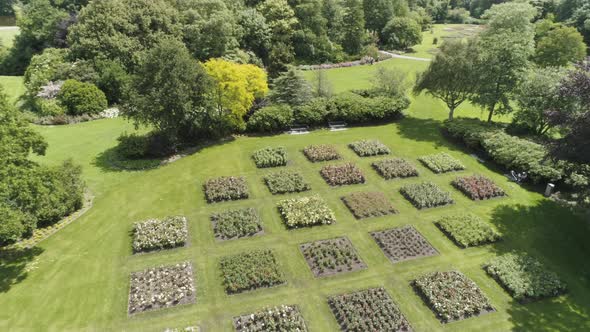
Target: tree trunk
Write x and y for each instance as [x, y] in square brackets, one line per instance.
[451, 113]
[491, 113]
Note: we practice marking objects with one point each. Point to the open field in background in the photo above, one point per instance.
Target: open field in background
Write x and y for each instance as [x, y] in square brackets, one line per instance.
[442, 32]
[13, 86]
[7, 36]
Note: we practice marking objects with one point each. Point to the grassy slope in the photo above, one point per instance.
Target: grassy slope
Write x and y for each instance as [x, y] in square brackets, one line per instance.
[13, 86]
[7, 37]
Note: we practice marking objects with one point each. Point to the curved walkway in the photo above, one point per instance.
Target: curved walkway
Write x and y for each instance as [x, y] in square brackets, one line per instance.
[398, 56]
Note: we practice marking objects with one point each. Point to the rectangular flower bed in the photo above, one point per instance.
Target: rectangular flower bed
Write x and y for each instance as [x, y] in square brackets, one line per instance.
[452, 296]
[343, 174]
[368, 310]
[226, 188]
[367, 148]
[277, 319]
[478, 187]
[161, 287]
[403, 243]
[394, 168]
[323, 152]
[154, 234]
[524, 277]
[270, 157]
[305, 212]
[283, 182]
[235, 224]
[426, 195]
[250, 270]
[441, 163]
[329, 257]
[368, 204]
[468, 230]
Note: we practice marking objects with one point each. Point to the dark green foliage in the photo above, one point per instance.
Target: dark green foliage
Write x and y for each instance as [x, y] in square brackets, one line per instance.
[468, 230]
[353, 27]
[270, 157]
[328, 257]
[283, 182]
[313, 113]
[226, 188]
[394, 168]
[368, 204]
[235, 224]
[271, 119]
[290, 88]
[367, 148]
[426, 195]
[249, 271]
[133, 146]
[401, 33]
[14, 224]
[355, 109]
[81, 98]
[113, 80]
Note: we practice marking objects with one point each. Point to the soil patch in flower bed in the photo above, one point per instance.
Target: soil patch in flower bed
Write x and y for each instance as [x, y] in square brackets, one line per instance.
[395, 168]
[441, 163]
[452, 296]
[343, 174]
[226, 188]
[524, 277]
[478, 187]
[368, 204]
[284, 182]
[270, 157]
[277, 319]
[250, 270]
[426, 195]
[306, 212]
[330, 257]
[323, 152]
[368, 148]
[368, 310]
[155, 234]
[235, 224]
[468, 230]
[403, 243]
[161, 287]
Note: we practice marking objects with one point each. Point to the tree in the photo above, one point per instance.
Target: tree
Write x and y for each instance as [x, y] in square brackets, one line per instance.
[353, 27]
[322, 87]
[389, 82]
[290, 88]
[401, 33]
[281, 20]
[256, 33]
[43, 69]
[562, 45]
[450, 76]
[504, 48]
[333, 12]
[377, 14]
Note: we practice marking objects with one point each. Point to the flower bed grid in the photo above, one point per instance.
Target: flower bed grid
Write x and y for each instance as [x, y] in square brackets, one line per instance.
[277, 319]
[161, 287]
[368, 148]
[322, 152]
[426, 195]
[403, 243]
[270, 157]
[330, 257]
[284, 182]
[468, 230]
[343, 174]
[452, 296]
[368, 204]
[155, 234]
[478, 187]
[235, 224]
[441, 163]
[250, 270]
[368, 310]
[306, 212]
[524, 277]
[394, 168]
[226, 188]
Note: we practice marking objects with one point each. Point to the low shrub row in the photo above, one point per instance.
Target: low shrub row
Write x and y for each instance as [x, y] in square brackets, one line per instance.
[367, 148]
[250, 270]
[235, 224]
[270, 157]
[441, 163]
[478, 187]
[226, 188]
[344, 174]
[368, 204]
[283, 182]
[157, 234]
[317, 153]
[305, 212]
[468, 230]
[394, 168]
[426, 195]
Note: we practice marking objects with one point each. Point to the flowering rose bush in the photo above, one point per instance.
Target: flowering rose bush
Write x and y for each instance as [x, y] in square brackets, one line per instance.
[277, 319]
[161, 287]
[226, 188]
[283, 182]
[426, 195]
[366, 148]
[368, 310]
[452, 296]
[250, 270]
[328, 257]
[478, 187]
[316, 153]
[394, 168]
[343, 174]
[234, 224]
[441, 163]
[403, 243]
[306, 211]
[270, 157]
[157, 234]
[524, 277]
[368, 204]
[468, 230]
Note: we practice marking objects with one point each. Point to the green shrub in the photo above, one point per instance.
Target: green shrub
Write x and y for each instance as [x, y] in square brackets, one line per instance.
[355, 109]
[283, 182]
[305, 212]
[394, 168]
[235, 224]
[133, 146]
[50, 107]
[81, 98]
[426, 195]
[250, 270]
[13, 224]
[367, 148]
[271, 119]
[468, 230]
[441, 163]
[312, 114]
[270, 157]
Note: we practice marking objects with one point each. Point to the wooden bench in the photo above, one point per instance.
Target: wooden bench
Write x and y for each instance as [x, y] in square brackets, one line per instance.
[337, 125]
[298, 129]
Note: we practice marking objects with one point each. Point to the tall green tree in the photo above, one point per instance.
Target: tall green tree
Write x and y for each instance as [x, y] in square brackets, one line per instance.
[401, 33]
[561, 46]
[281, 20]
[377, 14]
[354, 34]
[290, 88]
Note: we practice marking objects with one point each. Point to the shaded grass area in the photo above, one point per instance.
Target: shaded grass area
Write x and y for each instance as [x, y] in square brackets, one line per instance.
[7, 37]
[13, 86]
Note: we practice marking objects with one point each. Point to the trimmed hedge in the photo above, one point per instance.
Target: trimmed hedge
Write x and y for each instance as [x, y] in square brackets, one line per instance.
[271, 119]
[468, 230]
[283, 182]
[355, 109]
[270, 157]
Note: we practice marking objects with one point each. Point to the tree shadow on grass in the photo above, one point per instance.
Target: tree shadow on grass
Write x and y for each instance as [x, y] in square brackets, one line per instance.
[13, 266]
[557, 237]
[421, 130]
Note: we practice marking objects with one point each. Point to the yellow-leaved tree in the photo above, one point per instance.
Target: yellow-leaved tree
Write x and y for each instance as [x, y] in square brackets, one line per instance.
[236, 85]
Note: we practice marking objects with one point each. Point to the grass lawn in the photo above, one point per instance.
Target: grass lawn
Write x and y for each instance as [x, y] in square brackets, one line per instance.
[7, 37]
[13, 86]
[441, 32]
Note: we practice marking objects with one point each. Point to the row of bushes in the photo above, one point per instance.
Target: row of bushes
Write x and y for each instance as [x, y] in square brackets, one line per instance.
[348, 107]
